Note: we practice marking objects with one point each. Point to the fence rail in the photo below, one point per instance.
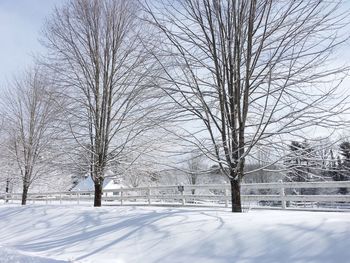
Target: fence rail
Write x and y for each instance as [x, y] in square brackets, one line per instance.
[210, 194]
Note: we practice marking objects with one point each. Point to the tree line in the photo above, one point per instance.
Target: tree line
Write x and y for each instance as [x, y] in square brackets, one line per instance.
[307, 162]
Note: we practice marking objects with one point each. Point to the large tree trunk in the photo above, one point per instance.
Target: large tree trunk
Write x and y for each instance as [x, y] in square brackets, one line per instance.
[236, 195]
[24, 194]
[98, 194]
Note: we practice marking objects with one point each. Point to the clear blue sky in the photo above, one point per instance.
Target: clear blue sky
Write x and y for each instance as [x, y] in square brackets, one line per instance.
[20, 25]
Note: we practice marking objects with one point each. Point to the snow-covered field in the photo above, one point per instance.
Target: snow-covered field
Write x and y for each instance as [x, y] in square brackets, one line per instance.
[38, 233]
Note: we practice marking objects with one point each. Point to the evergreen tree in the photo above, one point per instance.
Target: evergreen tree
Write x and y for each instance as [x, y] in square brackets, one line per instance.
[296, 163]
[344, 165]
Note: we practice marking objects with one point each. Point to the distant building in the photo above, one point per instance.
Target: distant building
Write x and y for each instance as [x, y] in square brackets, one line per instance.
[110, 183]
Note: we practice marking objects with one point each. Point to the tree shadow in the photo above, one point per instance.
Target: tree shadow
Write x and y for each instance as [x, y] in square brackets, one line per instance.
[88, 227]
[205, 235]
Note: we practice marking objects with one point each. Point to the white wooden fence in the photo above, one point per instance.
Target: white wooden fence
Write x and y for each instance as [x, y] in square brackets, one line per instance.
[210, 194]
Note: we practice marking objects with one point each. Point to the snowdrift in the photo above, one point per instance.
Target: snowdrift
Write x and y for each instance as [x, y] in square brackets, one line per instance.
[156, 234]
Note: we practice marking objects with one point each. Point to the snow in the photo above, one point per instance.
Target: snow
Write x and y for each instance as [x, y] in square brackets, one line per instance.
[38, 233]
[11, 255]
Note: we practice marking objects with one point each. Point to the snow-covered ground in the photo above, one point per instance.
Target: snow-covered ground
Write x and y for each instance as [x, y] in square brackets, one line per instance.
[39, 233]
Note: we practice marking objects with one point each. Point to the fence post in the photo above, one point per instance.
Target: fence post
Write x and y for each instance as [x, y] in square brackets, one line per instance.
[46, 199]
[283, 195]
[60, 199]
[78, 198]
[121, 195]
[226, 195]
[149, 195]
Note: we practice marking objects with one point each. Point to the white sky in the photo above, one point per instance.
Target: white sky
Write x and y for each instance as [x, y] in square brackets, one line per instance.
[20, 25]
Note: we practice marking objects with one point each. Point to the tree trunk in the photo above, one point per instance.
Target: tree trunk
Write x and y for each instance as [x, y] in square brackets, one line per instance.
[7, 189]
[98, 194]
[24, 194]
[236, 195]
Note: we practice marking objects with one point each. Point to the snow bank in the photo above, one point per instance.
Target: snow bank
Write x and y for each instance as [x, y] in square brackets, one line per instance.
[156, 234]
[8, 255]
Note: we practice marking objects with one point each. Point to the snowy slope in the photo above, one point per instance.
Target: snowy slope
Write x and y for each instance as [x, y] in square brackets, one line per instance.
[9, 255]
[155, 234]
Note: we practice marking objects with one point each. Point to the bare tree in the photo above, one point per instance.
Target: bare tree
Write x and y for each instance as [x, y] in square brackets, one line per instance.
[100, 65]
[249, 71]
[195, 167]
[30, 126]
